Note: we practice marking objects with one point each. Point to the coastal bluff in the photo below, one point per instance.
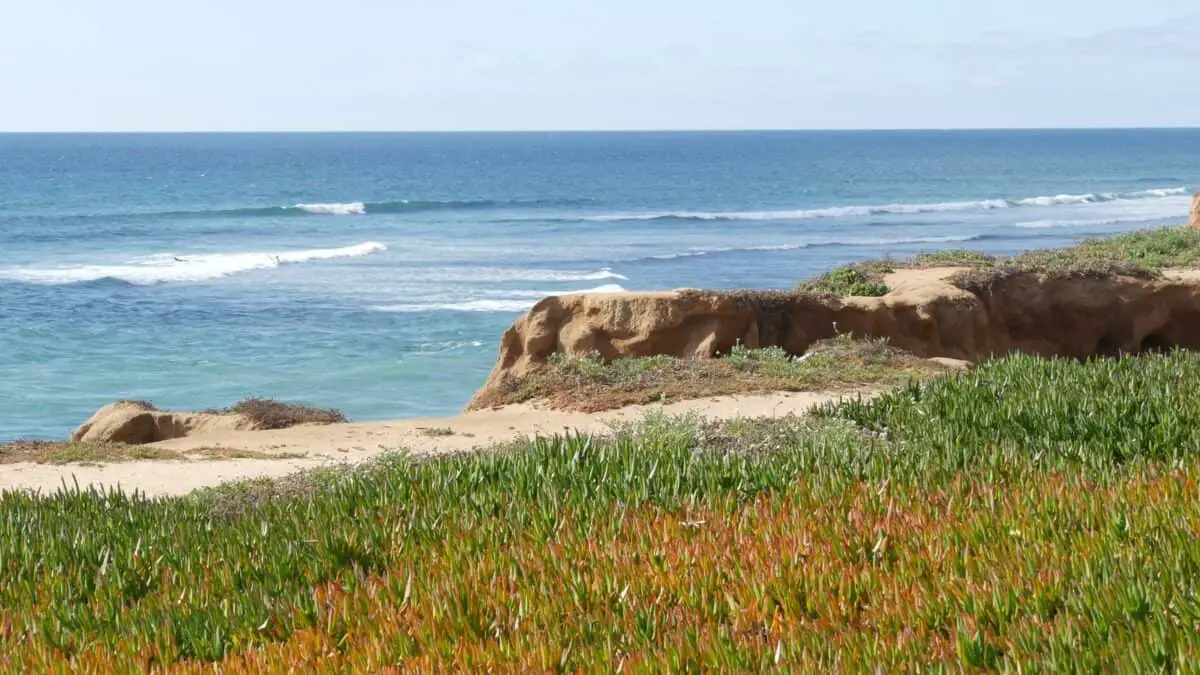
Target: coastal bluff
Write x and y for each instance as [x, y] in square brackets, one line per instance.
[923, 312]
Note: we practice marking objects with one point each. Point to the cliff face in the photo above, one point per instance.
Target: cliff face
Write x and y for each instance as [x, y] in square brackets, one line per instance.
[923, 313]
[1194, 221]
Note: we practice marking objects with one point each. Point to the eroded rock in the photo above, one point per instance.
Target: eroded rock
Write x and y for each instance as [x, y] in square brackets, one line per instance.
[924, 313]
[138, 423]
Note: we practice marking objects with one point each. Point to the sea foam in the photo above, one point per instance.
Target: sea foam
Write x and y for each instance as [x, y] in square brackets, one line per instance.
[817, 243]
[335, 209]
[894, 209]
[174, 268]
[520, 302]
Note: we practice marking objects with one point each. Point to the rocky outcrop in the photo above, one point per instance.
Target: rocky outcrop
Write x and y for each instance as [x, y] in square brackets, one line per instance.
[137, 423]
[1194, 220]
[923, 313]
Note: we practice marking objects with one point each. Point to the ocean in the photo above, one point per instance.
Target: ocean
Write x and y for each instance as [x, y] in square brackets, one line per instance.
[376, 272]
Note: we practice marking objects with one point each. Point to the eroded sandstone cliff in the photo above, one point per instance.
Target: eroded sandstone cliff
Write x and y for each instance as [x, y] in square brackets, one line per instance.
[923, 313]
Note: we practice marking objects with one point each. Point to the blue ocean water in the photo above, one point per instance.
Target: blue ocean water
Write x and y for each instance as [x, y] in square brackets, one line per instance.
[375, 272]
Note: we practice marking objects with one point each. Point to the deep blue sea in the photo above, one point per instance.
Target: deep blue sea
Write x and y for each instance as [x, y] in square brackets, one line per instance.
[375, 272]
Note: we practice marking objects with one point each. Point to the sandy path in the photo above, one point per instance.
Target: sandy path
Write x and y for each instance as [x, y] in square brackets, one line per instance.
[351, 443]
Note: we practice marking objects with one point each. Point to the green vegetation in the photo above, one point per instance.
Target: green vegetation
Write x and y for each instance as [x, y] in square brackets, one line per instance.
[437, 431]
[1142, 254]
[1029, 516]
[52, 452]
[57, 452]
[862, 279]
[590, 384]
[272, 414]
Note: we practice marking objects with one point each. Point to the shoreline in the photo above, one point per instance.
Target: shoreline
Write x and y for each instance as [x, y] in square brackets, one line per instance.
[353, 443]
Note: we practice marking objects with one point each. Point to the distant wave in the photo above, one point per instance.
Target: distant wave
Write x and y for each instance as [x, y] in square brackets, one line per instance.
[493, 305]
[517, 274]
[168, 268]
[545, 293]
[816, 243]
[445, 347]
[351, 209]
[356, 208]
[1051, 223]
[892, 209]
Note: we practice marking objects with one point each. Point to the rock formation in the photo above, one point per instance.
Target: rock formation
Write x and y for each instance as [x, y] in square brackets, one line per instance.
[923, 313]
[1194, 220]
[135, 422]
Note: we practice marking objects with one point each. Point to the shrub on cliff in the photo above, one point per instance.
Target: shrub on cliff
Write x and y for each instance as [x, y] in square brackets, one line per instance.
[860, 280]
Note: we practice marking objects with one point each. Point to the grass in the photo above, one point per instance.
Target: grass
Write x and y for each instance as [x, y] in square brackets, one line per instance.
[57, 452]
[272, 414]
[437, 431]
[54, 452]
[1142, 254]
[590, 384]
[1028, 516]
[860, 279]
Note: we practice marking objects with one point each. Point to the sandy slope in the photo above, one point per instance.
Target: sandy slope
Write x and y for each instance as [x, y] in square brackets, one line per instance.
[348, 443]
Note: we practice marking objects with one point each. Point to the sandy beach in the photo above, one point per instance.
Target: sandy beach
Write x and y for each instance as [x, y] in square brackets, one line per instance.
[309, 447]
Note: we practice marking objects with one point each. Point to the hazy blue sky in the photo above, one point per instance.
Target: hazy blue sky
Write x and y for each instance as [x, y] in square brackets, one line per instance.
[604, 64]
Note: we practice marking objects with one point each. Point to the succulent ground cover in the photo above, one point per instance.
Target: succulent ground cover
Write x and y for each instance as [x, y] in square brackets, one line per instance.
[1031, 515]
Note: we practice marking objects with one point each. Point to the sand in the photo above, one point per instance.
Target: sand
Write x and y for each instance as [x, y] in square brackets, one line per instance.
[309, 447]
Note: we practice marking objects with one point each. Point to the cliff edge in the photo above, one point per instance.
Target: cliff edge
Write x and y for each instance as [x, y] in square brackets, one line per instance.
[924, 312]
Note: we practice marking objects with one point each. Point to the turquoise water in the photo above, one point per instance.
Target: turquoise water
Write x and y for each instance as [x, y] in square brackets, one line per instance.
[375, 272]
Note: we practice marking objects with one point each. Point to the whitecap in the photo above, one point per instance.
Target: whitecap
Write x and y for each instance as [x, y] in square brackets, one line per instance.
[169, 267]
[335, 209]
[894, 209]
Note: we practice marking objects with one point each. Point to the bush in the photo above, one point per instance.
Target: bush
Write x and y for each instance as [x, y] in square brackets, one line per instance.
[272, 414]
[849, 280]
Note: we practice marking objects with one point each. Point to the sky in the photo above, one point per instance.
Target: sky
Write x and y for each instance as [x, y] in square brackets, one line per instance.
[422, 65]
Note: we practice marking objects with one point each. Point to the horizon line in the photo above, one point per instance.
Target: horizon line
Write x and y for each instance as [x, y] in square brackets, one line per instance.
[593, 131]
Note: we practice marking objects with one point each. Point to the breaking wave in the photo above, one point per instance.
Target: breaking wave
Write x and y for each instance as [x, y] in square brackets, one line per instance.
[523, 301]
[356, 208]
[894, 209]
[816, 243]
[351, 209]
[517, 274]
[167, 267]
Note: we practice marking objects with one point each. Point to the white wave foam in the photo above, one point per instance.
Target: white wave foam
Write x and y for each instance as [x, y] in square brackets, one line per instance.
[167, 267]
[1066, 200]
[334, 209]
[1159, 192]
[517, 274]
[448, 346]
[809, 214]
[528, 300]
[606, 288]
[1051, 223]
[895, 209]
[469, 306]
[814, 243]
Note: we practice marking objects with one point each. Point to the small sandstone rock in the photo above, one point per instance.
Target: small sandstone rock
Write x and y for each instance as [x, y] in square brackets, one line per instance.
[1194, 221]
[953, 364]
[136, 423]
